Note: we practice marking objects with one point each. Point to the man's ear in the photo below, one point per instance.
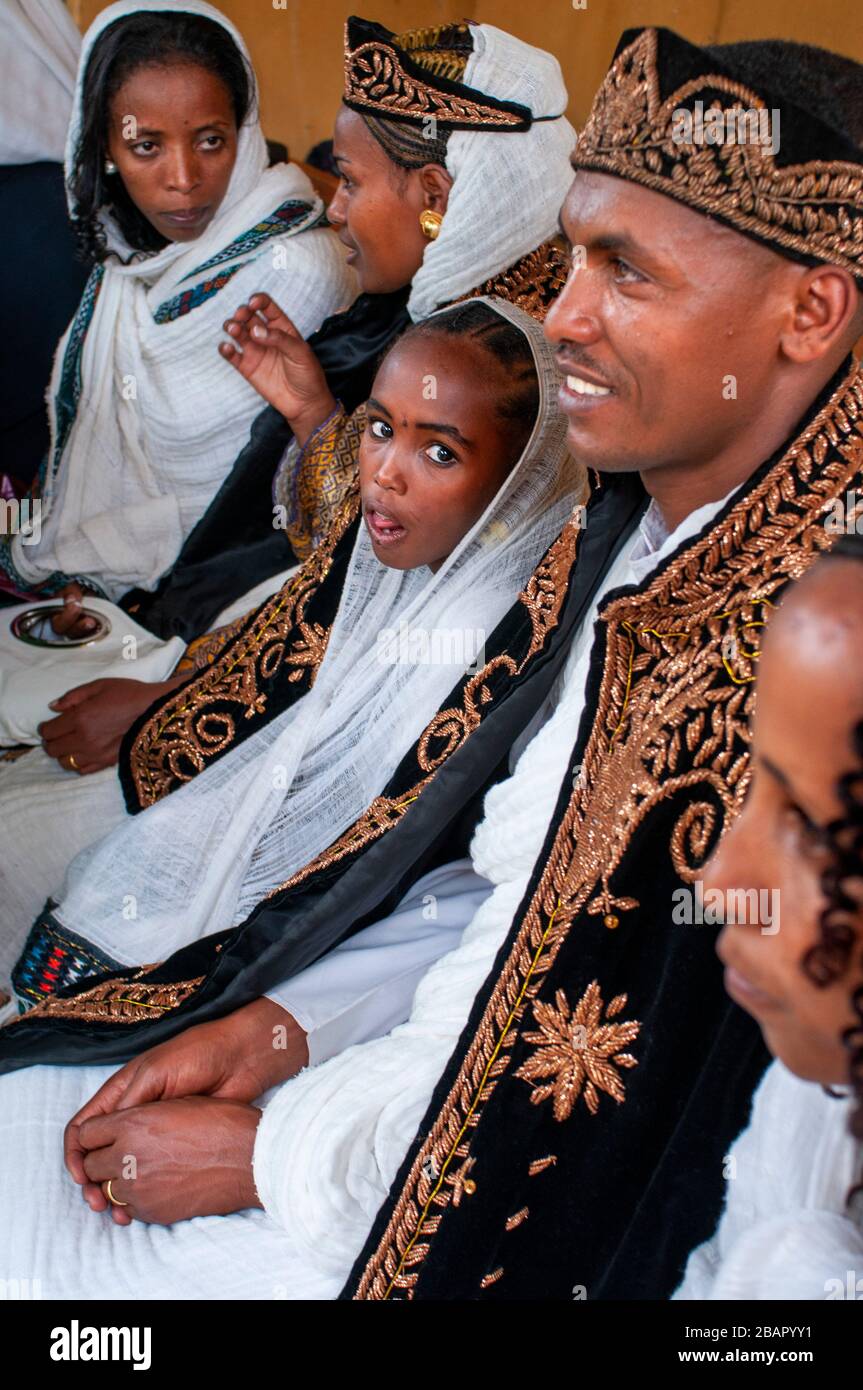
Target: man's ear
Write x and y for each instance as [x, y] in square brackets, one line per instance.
[435, 183]
[824, 314]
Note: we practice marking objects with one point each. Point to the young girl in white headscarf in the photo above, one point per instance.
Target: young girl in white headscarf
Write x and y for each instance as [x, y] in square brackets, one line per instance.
[169, 190]
[455, 515]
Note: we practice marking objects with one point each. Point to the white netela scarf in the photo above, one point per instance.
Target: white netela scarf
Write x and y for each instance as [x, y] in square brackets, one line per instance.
[200, 859]
[159, 416]
[508, 186]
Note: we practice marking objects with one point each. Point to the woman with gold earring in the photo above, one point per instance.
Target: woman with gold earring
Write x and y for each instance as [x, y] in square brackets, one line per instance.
[432, 209]
[428, 206]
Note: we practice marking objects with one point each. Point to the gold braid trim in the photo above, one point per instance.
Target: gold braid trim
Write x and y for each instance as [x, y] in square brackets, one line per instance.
[543, 598]
[673, 712]
[116, 1001]
[815, 208]
[184, 731]
[125, 1001]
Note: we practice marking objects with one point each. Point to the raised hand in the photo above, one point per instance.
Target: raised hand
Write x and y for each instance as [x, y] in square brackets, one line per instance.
[267, 349]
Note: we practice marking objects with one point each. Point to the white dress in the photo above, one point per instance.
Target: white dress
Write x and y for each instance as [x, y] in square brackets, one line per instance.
[786, 1231]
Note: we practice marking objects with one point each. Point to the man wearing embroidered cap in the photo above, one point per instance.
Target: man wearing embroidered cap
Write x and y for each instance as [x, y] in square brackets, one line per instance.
[551, 1121]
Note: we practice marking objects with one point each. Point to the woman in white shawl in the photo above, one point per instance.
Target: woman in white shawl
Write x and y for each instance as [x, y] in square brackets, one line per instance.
[204, 855]
[495, 192]
[792, 1227]
[168, 186]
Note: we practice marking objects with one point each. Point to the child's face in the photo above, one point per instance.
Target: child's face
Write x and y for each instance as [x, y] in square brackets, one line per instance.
[435, 450]
[810, 696]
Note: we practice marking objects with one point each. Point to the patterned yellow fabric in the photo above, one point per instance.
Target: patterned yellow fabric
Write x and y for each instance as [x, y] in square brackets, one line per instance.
[313, 486]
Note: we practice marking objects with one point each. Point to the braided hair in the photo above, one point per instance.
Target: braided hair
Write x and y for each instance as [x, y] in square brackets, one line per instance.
[506, 344]
[145, 39]
[839, 922]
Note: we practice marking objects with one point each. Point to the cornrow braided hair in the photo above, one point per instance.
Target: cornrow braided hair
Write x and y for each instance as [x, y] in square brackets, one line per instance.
[407, 145]
[503, 341]
[840, 935]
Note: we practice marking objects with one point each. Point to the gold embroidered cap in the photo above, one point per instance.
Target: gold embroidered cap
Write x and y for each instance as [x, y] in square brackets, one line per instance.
[416, 75]
[697, 125]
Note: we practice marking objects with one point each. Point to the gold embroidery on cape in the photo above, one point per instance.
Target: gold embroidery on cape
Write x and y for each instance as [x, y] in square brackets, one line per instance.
[665, 686]
[376, 80]
[814, 208]
[183, 731]
[116, 1001]
[577, 1054]
[543, 598]
[531, 284]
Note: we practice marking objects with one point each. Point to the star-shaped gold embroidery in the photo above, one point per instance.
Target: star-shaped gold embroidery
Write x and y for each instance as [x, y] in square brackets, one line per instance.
[578, 1052]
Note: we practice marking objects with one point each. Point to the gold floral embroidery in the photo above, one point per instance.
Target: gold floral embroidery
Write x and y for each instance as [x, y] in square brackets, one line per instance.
[577, 1054]
[185, 732]
[532, 283]
[814, 208]
[653, 688]
[539, 1165]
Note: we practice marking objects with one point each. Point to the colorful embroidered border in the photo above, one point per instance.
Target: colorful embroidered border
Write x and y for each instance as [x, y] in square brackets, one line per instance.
[285, 218]
[188, 300]
[52, 959]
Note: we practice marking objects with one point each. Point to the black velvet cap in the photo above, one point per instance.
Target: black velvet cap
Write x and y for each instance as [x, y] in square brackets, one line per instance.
[765, 136]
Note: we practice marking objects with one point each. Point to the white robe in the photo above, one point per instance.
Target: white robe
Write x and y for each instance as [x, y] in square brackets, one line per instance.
[786, 1231]
[331, 1139]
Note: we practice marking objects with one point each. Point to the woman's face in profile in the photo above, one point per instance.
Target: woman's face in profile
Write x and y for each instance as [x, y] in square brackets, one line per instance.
[810, 697]
[376, 208]
[173, 138]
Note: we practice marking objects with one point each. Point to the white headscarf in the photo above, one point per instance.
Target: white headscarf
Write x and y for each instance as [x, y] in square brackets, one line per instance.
[200, 859]
[39, 47]
[161, 416]
[508, 186]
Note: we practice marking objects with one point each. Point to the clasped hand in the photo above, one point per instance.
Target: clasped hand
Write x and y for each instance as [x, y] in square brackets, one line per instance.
[174, 1129]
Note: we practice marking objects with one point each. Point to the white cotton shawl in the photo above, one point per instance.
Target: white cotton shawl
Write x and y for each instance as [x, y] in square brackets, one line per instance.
[200, 859]
[39, 47]
[161, 416]
[508, 186]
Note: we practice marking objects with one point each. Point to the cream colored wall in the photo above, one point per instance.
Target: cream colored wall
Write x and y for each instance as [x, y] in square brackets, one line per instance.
[297, 50]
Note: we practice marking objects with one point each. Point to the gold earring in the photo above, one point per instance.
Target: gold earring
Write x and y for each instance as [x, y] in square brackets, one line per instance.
[430, 223]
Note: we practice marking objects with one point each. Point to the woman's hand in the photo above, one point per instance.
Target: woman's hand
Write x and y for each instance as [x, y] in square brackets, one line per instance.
[236, 1058]
[94, 717]
[275, 358]
[66, 621]
[172, 1160]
